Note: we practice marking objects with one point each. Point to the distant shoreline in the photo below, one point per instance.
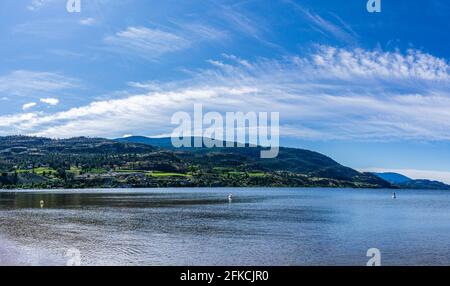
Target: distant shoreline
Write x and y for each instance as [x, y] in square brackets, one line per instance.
[195, 188]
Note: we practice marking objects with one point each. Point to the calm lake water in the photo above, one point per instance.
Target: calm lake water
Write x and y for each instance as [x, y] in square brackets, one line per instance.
[201, 227]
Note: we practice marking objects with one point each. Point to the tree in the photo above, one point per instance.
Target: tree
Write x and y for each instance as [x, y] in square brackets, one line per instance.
[62, 173]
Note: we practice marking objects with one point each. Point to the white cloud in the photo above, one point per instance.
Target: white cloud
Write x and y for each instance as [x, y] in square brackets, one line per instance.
[30, 83]
[346, 64]
[341, 31]
[48, 28]
[50, 101]
[333, 93]
[248, 26]
[38, 4]
[87, 21]
[28, 106]
[147, 42]
[241, 23]
[151, 43]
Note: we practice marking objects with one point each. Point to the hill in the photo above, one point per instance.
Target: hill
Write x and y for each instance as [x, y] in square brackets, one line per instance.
[403, 182]
[424, 185]
[159, 142]
[33, 162]
[393, 178]
[297, 161]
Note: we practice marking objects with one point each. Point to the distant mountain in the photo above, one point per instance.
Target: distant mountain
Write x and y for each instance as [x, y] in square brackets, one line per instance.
[38, 146]
[424, 185]
[404, 182]
[165, 143]
[34, 162]
[393, 178]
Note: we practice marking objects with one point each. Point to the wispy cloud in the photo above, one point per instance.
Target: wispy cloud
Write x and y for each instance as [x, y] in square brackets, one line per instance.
[151, 43]
[32, 83]
[147, 42]
[47, 28]
[35, 5]
[332, 93]
[87, 21]
[347, 64]
[341, 30]
[247, 24]
[240, 22]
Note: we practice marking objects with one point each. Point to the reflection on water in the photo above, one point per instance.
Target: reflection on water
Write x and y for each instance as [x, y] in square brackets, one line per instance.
[202, 227]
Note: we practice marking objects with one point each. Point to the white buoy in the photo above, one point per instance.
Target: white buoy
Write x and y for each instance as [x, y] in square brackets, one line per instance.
[42, 204]
[394, 196]
[230, 198]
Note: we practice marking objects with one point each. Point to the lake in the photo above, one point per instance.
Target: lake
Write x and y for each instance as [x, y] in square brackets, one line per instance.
[202, 227]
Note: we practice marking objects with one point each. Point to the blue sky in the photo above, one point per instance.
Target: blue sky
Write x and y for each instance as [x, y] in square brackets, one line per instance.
[370, 90]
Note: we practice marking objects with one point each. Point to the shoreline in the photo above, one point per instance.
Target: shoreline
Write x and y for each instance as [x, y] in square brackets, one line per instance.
[204, 188]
